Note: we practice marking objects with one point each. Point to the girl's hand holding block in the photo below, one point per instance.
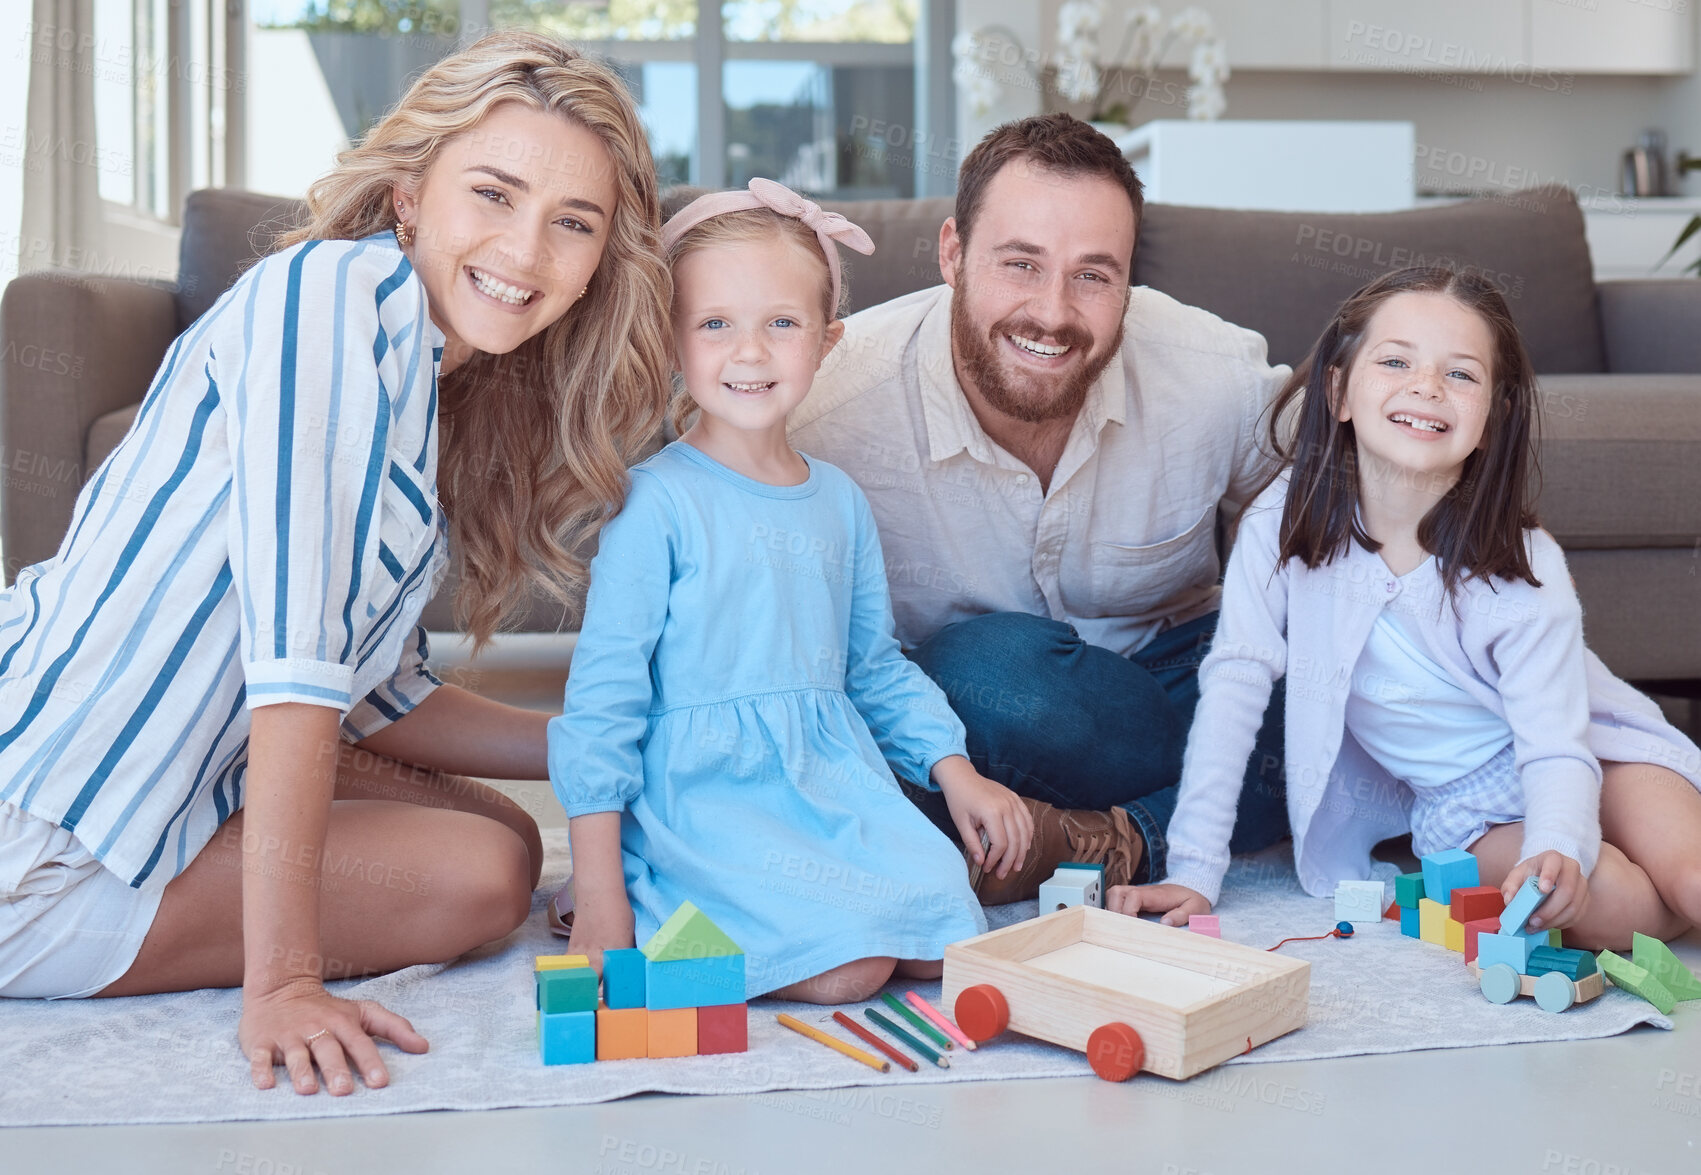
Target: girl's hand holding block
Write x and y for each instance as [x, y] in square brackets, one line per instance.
[1176, 903]
[602, 913]
[1561, 879]
[981, 805]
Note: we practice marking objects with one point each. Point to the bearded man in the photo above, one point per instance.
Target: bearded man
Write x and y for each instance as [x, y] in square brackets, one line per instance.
[1048, 452]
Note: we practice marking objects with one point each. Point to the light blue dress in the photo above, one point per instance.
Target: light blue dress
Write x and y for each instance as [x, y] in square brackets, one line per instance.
[738, 694]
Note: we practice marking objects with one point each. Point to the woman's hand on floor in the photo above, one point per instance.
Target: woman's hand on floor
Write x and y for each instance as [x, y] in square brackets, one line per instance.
[1176, 903]
[300, 1025]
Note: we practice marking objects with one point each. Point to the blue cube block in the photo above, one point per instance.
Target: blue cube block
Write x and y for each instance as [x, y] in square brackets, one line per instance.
[1522, 905]
[1410, 923]
[1447, 871]
[623, 978]
[694, 983]
[571, 989]
[567, 1038]
[1511, 949]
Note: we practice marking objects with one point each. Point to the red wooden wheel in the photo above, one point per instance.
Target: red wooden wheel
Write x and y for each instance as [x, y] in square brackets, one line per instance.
[982, 1012]
[1115, 1051]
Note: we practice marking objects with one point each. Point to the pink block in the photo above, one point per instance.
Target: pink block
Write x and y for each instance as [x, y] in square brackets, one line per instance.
[1204, 924]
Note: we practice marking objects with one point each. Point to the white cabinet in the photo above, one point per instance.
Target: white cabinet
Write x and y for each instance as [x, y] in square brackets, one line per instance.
[1628, 238]
[1439, 36]
[1613, 36]
[1263, 34]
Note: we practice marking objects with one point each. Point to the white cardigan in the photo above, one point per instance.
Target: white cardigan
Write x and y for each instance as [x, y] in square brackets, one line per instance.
[1518, 649]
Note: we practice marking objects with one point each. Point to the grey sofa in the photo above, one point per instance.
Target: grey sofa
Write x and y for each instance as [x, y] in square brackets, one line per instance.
[1620, 364]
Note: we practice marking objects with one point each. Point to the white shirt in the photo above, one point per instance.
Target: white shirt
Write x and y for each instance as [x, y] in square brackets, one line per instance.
[266, 532]
[1123, 542]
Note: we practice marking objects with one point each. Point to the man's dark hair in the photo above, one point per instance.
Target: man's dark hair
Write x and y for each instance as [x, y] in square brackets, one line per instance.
[1057, 142]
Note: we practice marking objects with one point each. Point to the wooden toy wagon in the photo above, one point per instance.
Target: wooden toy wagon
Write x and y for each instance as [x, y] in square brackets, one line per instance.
[1131, 994]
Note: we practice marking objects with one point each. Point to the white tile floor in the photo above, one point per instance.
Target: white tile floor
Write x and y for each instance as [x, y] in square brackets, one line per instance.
[1628, 1105]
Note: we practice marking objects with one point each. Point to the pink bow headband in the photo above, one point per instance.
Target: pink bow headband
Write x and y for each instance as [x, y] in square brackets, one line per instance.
[828, 226]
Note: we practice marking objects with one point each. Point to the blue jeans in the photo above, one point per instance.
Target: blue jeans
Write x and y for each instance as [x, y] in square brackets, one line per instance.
[1078, 726]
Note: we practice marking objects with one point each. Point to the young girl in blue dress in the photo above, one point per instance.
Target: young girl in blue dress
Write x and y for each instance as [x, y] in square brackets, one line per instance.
[737, 694]
[1432, 643]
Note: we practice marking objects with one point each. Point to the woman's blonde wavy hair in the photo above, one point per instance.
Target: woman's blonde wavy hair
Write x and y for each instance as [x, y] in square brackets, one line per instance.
[533, 445]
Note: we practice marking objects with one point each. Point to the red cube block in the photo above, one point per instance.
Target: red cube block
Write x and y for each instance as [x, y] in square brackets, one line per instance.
[1393, 911]
[1472, 929]
[1476, 903]
[723, 1029]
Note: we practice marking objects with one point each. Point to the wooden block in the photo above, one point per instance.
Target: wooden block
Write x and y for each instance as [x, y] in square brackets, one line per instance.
[1587, 988]
[1071, 887]
[1410, 924]
[572, 989]
[1195, 1001]
[623, 1034]
[1446, 871]
[689, 934]
[1476, 902]
[672, 1032]
[1432, 921]
[567, 1038]
[1522, 905]
[1393, 911]
[1472, 929]
[1571, 964]
[1408, 890]
[1453, 935]
[1358, 901]
[1204, 924]
[693, 983]
[623, 978]
[559, 962]
[1555, 992]
[1656, 958]
[723, 1029]
[1636, 980]
[1498, 983]
[1511, 949]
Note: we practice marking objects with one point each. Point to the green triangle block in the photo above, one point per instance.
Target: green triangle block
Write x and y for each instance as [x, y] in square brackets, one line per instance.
[1637, 981]
[1656, 958]
[689, 934]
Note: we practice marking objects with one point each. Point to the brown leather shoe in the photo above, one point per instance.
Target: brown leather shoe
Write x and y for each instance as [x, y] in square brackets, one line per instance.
[1097, 838]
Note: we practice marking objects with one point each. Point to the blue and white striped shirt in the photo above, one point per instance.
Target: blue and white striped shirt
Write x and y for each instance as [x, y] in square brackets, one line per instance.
[266, 532]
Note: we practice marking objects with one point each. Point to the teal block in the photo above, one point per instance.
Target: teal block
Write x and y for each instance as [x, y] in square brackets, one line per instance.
[571, 989]
[1511, 949]
[1447, 871]
[623, 978]
[1570, 963]
[1522, 905]
[1408, 890]
[567, 1038]
[694, 983]
[1409, 922]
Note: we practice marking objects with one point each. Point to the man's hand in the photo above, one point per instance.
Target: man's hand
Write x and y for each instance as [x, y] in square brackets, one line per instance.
[1176, 903]
[980, 806]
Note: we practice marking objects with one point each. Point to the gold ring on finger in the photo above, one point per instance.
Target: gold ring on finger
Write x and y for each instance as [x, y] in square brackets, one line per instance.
[317, 1035]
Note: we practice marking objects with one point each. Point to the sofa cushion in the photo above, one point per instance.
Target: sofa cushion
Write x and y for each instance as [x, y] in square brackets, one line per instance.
[224, 232]
[104, 435]
[1618, 460]
[1284, 274]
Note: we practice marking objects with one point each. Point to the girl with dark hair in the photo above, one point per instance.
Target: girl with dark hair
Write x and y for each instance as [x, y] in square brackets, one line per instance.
[1432, 642]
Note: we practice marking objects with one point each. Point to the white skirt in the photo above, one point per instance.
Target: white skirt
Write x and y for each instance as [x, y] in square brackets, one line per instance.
[68, 926]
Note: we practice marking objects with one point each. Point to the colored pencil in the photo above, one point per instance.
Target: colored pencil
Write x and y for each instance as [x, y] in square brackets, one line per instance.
[860, 1031]
[893, 1030]
[939, 1039]
[834, 1042]
[938, 1017]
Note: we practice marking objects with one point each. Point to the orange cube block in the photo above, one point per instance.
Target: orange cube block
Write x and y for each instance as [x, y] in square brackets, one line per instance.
[673, 1033]
[1393, 911]
[622, 1033]
[1476, 903]
[723, 1029]
[1480, 926]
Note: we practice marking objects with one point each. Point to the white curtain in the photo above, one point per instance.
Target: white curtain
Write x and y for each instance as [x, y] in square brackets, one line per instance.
[57, 210]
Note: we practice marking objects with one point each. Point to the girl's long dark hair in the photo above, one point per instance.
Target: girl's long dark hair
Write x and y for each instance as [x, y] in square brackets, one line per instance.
[1477, 528]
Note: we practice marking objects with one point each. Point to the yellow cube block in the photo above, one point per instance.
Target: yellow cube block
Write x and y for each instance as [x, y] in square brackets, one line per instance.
[560, 962]
[622, 1033]
[1432, 922]
[1454, 932]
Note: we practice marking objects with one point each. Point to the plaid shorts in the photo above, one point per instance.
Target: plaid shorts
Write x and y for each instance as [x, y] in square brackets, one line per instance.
[1455, 814]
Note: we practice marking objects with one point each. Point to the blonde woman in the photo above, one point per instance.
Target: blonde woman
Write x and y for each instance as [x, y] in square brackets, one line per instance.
[222, 759]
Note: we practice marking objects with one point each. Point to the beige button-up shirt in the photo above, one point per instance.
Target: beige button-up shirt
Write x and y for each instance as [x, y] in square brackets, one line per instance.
[1121, 545]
